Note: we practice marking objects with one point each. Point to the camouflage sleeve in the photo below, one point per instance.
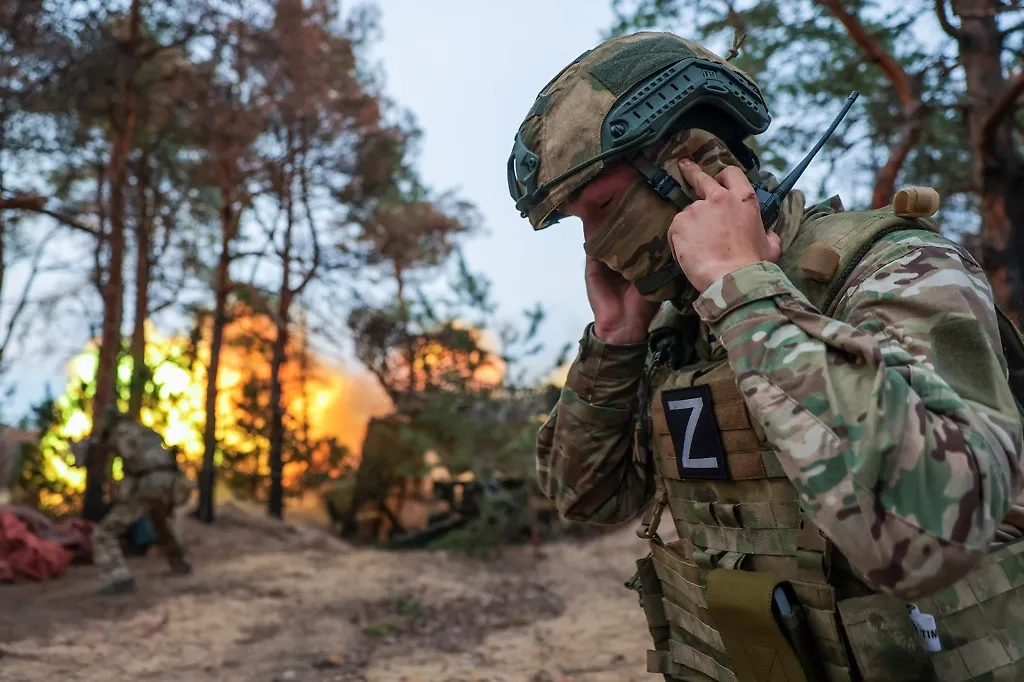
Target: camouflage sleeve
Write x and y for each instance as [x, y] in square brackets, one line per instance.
[585, 458]
[895, 419]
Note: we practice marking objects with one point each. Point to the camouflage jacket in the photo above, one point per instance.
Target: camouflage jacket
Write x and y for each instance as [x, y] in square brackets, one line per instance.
[899, 430]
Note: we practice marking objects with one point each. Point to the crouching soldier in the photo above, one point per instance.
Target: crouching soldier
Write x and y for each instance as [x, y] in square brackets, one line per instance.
[153, 486]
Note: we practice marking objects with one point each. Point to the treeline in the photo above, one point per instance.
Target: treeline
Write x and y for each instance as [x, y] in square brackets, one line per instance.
[220, 158]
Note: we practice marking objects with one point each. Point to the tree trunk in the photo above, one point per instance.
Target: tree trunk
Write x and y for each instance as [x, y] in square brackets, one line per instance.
[143, 269]
[275, 503]
[3, 263]
[304, 380]
[997, 168]
[410, 349]
[207, 476]
[2, 257]
[98, 465]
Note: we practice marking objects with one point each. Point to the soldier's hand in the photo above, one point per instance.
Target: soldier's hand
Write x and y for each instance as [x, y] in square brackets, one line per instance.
[621, 314]
[722, 231]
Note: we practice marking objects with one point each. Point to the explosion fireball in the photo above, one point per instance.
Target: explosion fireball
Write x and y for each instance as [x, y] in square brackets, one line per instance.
[321, 400]
[325, 399]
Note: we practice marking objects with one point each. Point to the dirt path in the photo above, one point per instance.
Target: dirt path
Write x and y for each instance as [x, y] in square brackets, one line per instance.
[272, 603]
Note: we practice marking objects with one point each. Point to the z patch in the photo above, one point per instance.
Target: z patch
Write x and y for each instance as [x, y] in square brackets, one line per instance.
[694, 430]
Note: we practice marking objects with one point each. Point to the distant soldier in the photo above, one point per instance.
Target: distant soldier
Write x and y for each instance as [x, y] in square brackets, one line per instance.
[153, 486]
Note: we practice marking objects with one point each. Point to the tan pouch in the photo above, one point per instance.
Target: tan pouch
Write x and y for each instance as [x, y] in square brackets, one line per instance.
[758, 650]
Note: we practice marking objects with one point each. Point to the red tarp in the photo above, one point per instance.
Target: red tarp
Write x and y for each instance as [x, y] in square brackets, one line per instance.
[44, 552]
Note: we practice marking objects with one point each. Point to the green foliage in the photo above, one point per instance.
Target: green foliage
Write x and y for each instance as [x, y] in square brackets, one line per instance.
[266, 111]
[38, 482]
[503, 517]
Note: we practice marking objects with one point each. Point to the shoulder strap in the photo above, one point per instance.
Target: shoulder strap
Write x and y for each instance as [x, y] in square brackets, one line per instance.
[826, 249]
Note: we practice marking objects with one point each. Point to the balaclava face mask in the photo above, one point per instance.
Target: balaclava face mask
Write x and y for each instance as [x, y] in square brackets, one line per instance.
[633, 240]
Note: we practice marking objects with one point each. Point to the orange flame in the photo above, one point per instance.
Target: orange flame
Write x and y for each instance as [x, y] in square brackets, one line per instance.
[330, 400]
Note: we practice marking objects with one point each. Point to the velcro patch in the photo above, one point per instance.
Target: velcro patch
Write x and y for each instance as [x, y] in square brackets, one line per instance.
[695, 434]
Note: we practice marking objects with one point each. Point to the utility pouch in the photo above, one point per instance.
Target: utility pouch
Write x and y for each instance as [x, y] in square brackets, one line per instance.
[883, 639]
[758, 645]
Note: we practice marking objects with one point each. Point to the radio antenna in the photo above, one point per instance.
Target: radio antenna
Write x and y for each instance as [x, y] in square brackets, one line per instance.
[771, 202]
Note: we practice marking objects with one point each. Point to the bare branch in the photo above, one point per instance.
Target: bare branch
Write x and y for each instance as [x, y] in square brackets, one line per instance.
[940, 11]
[68, 221]
[945, 68]
[12, 323]
[259, 255]
[175, 294]
[311, 272]
[874, 51]
[24, 202]
[908, 90]
[37, 204]
[910, 135]
[249, 254]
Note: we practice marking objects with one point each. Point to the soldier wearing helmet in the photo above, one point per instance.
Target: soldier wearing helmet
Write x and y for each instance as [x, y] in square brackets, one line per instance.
[153, 486]
[826, 403]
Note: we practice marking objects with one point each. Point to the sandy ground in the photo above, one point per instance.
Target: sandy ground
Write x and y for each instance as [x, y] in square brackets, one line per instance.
[273, 602]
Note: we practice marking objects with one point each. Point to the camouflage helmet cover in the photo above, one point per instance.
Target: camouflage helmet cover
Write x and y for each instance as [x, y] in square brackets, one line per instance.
[628, 77]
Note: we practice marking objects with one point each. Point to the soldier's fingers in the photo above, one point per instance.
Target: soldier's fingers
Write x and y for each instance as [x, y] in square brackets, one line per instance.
[734, 179]
[702, 183]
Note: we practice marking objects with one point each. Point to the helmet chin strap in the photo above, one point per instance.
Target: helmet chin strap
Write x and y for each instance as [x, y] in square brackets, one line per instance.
[667, 188]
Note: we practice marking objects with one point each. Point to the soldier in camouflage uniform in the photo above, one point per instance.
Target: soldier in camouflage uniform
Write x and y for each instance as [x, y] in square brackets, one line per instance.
[822, 405]
[152, 486]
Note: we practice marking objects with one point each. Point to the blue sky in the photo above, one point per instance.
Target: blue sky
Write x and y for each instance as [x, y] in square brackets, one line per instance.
[469, 71]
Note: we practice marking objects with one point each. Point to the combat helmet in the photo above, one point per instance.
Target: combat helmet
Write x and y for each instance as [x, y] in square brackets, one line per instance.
[630, 98]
